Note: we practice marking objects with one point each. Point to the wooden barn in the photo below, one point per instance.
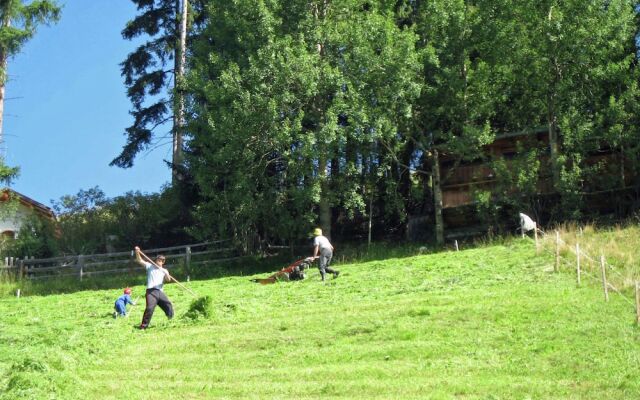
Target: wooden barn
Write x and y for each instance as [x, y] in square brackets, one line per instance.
[460, 180]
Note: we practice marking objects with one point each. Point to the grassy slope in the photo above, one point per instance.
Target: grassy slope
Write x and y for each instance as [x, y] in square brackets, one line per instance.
[484, 323]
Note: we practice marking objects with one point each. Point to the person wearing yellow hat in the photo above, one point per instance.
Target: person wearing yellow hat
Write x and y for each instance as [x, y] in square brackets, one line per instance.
[323, 250]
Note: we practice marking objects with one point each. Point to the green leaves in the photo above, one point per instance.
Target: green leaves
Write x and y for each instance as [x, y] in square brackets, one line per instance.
[288, 93]
[21, 21]
[302, 105]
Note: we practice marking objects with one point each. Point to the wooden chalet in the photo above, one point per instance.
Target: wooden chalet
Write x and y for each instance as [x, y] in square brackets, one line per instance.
[11, 223]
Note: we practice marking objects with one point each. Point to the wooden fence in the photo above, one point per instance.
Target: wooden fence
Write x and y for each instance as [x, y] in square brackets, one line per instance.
[82, 266]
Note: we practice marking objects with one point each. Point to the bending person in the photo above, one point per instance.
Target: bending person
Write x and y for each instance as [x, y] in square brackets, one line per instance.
[156, 274]
[322, 246]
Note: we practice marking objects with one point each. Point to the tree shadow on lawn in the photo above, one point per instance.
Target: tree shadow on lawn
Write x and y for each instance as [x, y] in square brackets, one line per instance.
[246, 266]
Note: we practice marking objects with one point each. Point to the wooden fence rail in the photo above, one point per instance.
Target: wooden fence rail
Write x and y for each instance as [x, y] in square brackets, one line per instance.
[82, 266]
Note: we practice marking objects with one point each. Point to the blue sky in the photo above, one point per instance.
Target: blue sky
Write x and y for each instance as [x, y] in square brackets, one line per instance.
[66, 108]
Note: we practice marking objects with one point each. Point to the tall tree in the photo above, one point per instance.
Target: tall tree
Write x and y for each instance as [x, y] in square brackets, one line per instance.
[179, 96]
[578, 69]
[461, 89]
[156, 92]
[19, 21]
[292, 100]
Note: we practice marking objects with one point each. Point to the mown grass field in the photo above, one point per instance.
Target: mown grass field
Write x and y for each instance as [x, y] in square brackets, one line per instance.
[487, 323]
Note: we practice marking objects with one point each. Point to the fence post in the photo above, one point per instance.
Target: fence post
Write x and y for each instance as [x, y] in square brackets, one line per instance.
[80, 266]
[131, 262]
[187, 260]
[29, 268]
[535, 235]
[557, 264]
[457, 248]
[578, 262]
[637, 302]
[604, 278]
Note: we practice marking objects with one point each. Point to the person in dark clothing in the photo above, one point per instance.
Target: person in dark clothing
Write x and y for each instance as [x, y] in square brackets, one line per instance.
[323, 247]
[154, 296]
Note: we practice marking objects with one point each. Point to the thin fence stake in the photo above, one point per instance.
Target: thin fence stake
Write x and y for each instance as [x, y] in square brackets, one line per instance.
[535, 235]
[578, 262]
[557, 264]
[80, 266]
[604, 278]
[187, 260]
[637, 302]
[457, 248]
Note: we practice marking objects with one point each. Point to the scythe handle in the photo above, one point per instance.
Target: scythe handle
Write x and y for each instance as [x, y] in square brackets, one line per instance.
[194, 294]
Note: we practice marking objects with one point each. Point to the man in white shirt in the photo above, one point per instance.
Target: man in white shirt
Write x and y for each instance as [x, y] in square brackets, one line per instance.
[156, 275]
[322, 246]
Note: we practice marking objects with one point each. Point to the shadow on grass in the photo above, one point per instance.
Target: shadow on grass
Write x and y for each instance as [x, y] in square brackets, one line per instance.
[345, 253]
[246, 266]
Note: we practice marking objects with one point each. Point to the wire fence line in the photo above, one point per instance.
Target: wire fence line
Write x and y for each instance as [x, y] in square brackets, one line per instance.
[555, 245]
[586, 256]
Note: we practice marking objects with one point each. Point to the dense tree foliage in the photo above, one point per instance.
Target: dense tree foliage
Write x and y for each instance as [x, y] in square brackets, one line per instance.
[326, 112]
[293, 101]
[353, 114]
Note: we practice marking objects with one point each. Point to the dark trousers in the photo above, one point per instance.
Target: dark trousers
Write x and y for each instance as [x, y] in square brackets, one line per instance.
[156, 297]
[325, 260]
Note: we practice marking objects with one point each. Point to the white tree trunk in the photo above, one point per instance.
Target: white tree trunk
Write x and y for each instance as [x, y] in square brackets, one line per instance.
[3, 66]
[437, 199]
[325, 207]
[178, 114]
[6, 22]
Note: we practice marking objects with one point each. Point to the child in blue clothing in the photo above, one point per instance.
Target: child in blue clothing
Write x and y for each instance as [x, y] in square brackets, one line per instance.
[121, 304]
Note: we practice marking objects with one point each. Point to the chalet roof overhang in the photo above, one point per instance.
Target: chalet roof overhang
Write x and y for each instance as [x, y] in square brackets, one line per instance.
[39, 208]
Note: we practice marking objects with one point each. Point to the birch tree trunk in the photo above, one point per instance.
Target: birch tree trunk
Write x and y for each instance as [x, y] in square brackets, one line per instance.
[552, 117]
[178, 115]
[552, 121]
[320, 11]
[325, 206]
[6, 22]
[437, 199]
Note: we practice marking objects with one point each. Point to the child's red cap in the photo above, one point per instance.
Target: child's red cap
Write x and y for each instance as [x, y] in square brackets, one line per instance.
[127, 291]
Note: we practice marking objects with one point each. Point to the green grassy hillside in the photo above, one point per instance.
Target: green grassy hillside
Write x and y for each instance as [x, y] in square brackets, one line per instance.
[489, 323]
